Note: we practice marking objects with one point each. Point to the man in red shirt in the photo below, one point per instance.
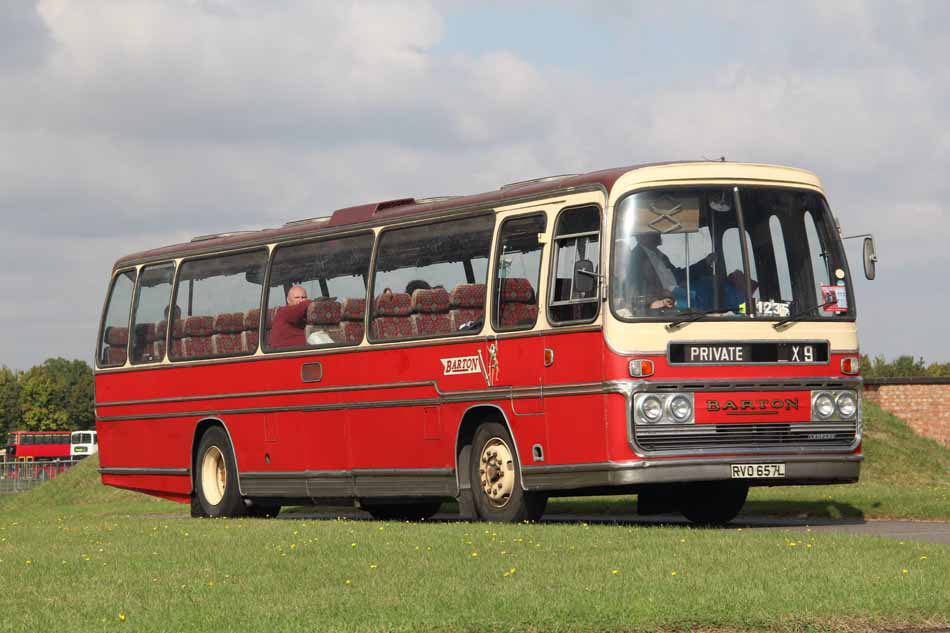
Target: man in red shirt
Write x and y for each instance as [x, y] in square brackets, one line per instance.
[287, 330]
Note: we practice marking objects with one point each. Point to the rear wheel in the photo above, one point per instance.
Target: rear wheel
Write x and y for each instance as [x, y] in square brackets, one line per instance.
[419, 511]
[495, 476]
[216, 489]
[713, 502]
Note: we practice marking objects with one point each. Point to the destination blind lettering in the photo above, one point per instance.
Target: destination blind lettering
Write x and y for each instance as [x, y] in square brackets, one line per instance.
[748, 353]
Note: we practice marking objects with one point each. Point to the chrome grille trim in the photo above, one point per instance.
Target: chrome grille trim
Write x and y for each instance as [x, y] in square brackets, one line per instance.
[769, 436]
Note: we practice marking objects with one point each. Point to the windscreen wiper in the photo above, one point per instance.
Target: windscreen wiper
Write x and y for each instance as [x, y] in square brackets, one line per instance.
[801, 314]
[689, 316]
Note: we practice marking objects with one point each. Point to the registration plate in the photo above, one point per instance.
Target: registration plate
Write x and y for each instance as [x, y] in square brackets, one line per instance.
[758, 471]
[80, 449]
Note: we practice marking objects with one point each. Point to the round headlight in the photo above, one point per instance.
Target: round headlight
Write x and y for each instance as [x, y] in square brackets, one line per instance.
[824, 406]
[651, 409]
[847, 405]
[680, 408]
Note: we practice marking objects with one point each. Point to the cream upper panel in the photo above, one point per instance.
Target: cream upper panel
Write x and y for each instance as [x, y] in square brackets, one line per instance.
[713, 173]
[652, 337]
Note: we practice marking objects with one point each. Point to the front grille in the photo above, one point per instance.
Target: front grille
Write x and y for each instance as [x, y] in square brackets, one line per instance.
[745, 436]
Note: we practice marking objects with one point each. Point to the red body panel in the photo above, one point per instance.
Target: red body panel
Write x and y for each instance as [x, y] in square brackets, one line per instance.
[393, 407]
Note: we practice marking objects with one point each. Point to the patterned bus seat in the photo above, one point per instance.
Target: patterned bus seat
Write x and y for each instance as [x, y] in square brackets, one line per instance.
[430, 312]
[228, 335]
[325, 315]
[391, 317]
[352, 320]
[518, 305]
[467, 303]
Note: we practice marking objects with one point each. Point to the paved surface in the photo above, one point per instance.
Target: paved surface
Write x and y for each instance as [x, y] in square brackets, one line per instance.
[925, 531]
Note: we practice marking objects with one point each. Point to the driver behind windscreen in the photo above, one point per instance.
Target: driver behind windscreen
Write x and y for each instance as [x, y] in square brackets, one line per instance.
[653, 277]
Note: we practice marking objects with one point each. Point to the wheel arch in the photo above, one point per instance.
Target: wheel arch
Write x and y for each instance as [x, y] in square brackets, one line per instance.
[471, 419]
[200, 429]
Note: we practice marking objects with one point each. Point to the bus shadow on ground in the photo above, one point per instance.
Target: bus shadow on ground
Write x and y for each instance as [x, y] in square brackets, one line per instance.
[755, 514]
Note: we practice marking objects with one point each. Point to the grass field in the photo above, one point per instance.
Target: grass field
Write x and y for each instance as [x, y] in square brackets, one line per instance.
[76, 554]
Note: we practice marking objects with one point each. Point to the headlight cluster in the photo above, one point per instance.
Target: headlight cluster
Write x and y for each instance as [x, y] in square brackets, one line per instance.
[834, 405]
[663, 408]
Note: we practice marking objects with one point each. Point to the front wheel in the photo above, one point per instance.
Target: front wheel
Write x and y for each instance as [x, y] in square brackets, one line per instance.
[216, 482]
[713, 502]
[495, 475]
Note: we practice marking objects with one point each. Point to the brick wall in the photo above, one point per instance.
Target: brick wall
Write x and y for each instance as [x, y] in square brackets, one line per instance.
[923, 403]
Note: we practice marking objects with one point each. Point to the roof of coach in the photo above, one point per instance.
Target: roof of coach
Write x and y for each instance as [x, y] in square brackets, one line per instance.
[376, 213]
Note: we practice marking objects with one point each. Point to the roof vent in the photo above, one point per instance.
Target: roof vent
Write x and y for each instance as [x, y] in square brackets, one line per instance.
[535, 181]
[391, 204]
[316, 221]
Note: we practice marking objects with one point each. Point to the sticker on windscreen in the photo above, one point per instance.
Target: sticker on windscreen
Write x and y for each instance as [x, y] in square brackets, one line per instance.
[834, 299]
[772, 308]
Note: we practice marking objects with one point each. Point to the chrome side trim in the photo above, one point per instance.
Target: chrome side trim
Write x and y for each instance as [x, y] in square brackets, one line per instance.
[177, 472]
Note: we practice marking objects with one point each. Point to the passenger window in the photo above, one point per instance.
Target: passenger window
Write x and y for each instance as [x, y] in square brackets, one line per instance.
[329, 279]
[518, 273]
[151, 308]
[575, 291]
[114, 338]
[430, 279]
[213, 297]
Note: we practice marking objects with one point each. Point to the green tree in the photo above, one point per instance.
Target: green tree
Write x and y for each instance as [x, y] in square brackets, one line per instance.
[57, 395]
[9, 401]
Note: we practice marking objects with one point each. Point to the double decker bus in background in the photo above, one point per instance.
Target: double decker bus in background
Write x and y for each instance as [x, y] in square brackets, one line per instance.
[680, 331]
[38, 445]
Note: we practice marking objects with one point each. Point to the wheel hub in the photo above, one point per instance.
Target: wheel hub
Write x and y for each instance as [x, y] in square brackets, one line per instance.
[214, 475]
[497, 471]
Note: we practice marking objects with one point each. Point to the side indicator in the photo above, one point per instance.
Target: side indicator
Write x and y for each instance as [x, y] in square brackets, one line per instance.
[641, 368]
[548, 356]
[850, 366]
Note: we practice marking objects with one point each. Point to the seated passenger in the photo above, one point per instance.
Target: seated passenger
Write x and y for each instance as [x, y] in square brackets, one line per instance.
[417, 284]
[290, 320]
[653, 280]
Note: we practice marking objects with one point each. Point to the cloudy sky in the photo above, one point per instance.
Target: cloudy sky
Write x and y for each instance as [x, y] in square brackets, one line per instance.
[129, 124]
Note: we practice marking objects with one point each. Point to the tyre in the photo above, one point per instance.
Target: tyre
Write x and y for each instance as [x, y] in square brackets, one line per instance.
[419, 511]
[713, 502]
[216, 481]
[495, 476]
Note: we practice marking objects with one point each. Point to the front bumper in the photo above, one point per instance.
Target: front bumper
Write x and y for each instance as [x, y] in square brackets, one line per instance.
[811, 470]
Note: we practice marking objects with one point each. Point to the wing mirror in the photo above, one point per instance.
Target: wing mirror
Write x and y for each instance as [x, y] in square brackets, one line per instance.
[870, 258]
[869, 252]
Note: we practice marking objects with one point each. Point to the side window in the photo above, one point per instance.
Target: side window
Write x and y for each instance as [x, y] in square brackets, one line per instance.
[575, 281]
[518, 272]
[213, 297]
[317, 293]
[430, 279]
[114, 338]
[151, 308]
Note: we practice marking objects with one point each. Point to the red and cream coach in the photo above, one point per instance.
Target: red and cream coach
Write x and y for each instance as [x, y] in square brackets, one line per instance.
[680, 331]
